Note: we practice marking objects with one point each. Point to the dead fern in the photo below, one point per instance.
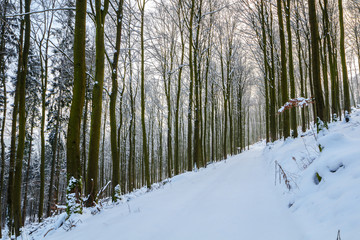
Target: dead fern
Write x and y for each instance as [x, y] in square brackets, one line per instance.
[282, 175]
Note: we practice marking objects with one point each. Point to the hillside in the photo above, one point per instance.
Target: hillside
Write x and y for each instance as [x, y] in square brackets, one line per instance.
[238, 198]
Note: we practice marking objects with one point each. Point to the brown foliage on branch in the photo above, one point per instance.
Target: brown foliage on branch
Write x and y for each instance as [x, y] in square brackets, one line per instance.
[296, 102]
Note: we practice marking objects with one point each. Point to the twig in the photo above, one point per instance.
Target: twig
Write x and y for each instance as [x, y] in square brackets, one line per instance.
[35, 12]
[49, 231]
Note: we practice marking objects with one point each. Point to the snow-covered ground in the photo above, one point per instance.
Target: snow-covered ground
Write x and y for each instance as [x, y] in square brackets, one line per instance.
[333, 203]
[238, 198]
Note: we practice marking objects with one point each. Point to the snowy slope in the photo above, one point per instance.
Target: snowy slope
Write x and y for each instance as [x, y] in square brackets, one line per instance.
[237, 198]
[332, 204]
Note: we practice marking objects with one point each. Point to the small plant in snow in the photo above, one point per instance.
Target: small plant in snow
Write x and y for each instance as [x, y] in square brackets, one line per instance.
[117, 195]
[73, 200]
[195, 168]
[347, 116]
[321, 125]
[317, 178]
[70, 224]
[282, 174]
[335, 117]
[320, 147]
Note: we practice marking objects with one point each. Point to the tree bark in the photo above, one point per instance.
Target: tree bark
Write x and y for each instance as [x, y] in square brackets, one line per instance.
[177, 138]
[77, 104]
[293, 119]
[22, 123]
[191, 87]
[3, 121]
[284, 84]
[96, 113]
[347, 105]
[319, 101]
[28, 170]
[115, 155]
[53, 161]
[141, 4]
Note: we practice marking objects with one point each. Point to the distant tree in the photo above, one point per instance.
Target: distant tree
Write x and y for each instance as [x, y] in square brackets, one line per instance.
[146, 161]
[33, 91]
[8, 46]
[59, 95]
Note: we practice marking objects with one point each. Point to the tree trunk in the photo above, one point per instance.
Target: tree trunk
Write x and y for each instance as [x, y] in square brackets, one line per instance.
[266, 71]
[284, 85]
[141, 4]
[197, 150]
[3, 121]
[299, 50]
[95, 125]
[189, 147]
[10, 190]
[44, 82]
[22, 123]
[177, 142]
[319, 101]
[102, 166]
[115, 155]
[73, 136]
[28, 170]
[53, 162]
[225, 97]
[84, 134]
[272, 85]
[345, 79]
[291, 69]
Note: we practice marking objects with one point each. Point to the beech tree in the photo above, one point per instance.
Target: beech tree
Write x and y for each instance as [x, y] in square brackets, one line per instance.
[93, 162]
[113, 98]
[168, 86]
[73, 135]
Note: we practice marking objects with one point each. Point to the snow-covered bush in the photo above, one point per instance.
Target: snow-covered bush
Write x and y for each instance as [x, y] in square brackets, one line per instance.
[73, 200]
[117, 194]
[321, 125]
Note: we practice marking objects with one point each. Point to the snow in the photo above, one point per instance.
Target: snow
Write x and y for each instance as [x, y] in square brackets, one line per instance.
[238, 198]
[331, 205]
[296, 102]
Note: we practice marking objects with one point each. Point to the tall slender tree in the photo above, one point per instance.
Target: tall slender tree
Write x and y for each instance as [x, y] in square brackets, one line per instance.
[3, 22]
[44, 57]
[21, 84]
[97, 97]
[113, 97]
[293, 120]
[73, 136]
[345, 79]
[191, 87]
[146, 161]
[284, 80]
[319, 100]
